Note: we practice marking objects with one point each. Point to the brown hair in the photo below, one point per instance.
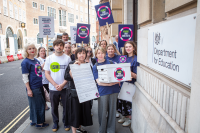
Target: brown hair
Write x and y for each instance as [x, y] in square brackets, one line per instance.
[102, 41]
[112, 45]
[79, 50]
[91, 49]
[64, 34]
[58, 41]
[101, 49]
[134, 46]
[38, 55]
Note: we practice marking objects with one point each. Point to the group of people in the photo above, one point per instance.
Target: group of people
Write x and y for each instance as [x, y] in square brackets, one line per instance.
[53, 74]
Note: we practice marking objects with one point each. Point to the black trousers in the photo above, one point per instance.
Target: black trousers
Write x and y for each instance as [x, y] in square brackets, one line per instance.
[55, 98]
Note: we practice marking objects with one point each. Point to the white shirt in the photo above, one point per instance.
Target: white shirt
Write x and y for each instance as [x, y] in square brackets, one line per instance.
[44, 79]
[57, 66]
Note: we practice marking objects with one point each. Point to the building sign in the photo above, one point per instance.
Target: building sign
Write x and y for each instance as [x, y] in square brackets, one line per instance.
[104, 13]
[73, 30]
[46, 26]
[83, 33]
[171, 48]
[125, 34]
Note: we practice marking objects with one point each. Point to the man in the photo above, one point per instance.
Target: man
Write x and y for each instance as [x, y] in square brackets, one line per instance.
[55, 66]
[116, 42]
[65, 37]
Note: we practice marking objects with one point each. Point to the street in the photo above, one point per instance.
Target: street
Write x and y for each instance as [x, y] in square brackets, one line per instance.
[13, 98]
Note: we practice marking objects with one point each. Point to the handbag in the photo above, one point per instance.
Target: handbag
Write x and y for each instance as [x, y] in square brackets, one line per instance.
[46, 95]
[73, 93]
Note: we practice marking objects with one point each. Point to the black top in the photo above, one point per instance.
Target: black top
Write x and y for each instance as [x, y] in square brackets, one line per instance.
[93, 61]
[68, 77]
[72, 57]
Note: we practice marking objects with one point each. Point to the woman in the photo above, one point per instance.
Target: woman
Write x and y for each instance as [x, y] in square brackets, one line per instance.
[77, 114]
[89, 58]
[41, 57]
[108, 96]
[125, 107]
[103, 44]
[67, 51]
[32, 77]
[113, 53]
[73, 46]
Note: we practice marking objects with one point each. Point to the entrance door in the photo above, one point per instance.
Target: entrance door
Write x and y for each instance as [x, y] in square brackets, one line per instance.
[0, 47]
[15, 44]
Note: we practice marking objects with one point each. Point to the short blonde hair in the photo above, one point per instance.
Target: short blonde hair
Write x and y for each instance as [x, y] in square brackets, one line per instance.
[25, 53]
[91, 49]
[101, 49]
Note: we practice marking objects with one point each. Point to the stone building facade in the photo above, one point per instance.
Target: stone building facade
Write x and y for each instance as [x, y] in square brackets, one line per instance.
[66, 13]
[162, 102]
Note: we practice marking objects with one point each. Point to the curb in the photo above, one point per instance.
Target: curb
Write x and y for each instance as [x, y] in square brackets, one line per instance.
[23, 126]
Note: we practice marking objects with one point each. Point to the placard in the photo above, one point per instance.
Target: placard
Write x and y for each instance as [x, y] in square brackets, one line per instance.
[171, 48]
[73, 31]
[84, 82]
[104, 13]
[83, 33]
[46, 26]
[125, 34]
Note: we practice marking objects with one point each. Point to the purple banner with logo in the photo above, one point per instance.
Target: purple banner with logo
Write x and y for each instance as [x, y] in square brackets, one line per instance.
[125, 34]
[83, 33]
[104, 13]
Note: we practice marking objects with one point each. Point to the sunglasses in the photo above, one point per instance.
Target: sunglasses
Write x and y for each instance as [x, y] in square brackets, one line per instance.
[89, 51]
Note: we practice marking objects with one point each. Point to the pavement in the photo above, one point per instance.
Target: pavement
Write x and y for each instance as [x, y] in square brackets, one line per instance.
[26, 128]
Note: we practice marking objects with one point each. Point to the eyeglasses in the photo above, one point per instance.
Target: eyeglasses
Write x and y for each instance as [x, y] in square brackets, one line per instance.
[89, 51]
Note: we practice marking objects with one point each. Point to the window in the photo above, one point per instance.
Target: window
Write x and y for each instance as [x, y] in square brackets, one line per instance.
[93, 29]
[25, 33]
[35, 21]
[76, 16]
[34, 5]
[92, 12]
[62, 2]
[81, 8]
[62, 18]
[5, 8]
[52, 12]
[86, 10]
[71, 17]
[86, 1]
[41, 7]
[11, 9]
[0, 26]
[86, 20]
[81, 0]
[39, 40]
[81, 18]
[16, 12]
[77, 7]
[20, 14]
[24, 16]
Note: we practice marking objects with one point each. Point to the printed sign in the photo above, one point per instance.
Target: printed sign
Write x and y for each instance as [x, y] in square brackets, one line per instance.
[104, 13]
[46, 26]
[83, 33]
[73, 31]
[119, 73]
[171, 48]
[125, 34]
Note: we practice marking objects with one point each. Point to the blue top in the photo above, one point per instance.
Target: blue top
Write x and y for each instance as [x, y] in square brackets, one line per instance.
[134, 65]
[105, 90]
[33, 68]
[115, 59]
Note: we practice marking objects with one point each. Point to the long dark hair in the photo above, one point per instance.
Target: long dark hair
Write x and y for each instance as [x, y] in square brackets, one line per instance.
[38, 55]
[134, 46]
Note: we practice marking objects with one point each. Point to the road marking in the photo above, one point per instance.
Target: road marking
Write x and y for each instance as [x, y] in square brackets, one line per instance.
[14, 119]
[17, 121]
[1, 74]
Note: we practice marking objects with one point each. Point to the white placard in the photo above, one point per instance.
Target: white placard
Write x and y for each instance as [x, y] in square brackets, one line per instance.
[73, 31]
[46, 26]
[84, 82]
[171, 48]
[127, 91]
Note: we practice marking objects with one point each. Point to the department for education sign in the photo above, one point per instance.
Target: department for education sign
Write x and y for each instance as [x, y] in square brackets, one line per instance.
[171, 48]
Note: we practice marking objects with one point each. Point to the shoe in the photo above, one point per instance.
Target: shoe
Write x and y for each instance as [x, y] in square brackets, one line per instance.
[117, 115]
[127, 123]
[122, 120]
[55, 127]
[42, 126]
[67, 128]
[32, 124]
[79, 130]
